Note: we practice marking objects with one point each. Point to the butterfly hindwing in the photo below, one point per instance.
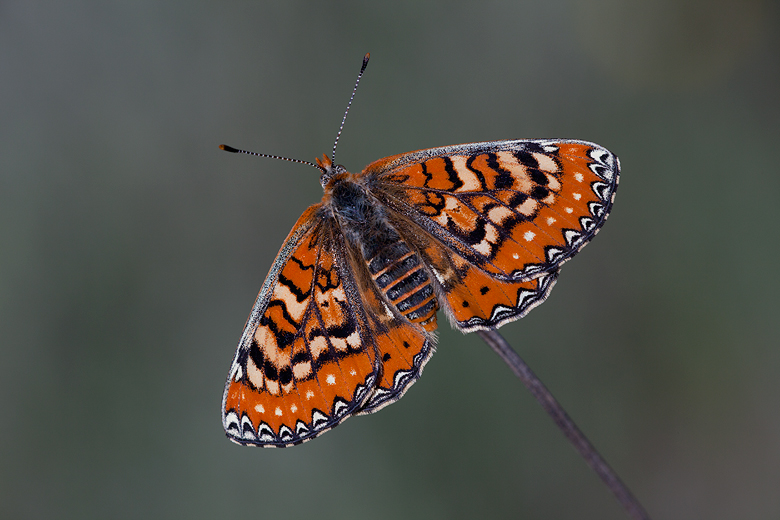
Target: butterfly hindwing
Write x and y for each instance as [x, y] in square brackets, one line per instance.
[478, 301]
[403, 348]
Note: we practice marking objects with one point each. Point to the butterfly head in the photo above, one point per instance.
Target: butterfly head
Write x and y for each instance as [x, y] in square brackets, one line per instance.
[329, 170]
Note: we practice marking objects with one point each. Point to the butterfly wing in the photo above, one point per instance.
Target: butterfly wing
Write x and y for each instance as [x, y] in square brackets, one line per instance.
[403, 348]
[305, 361]
[476, 300]
[506, 215]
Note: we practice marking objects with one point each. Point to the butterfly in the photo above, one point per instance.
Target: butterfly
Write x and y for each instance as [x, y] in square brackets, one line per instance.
[344, 322]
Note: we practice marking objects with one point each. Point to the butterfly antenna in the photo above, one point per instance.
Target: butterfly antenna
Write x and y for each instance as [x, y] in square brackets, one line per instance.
[360, 75]
[236, 150]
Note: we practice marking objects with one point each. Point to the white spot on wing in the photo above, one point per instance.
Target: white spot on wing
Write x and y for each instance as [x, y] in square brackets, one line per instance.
[568, 210]
[553, 184]
[550, 220]
[529, 235]
[528, 207]
[466, 176]
[576, 196]
[486, 245]
[254, 374]
[354, 339]
[578, 177]
[294, 307]
[301, 370]
[483, 247]
[340, 343]
[317, 345]
[278, 411]
[259, 408]
[293, 408]
[499, 214]
[546, 163]
[331, 379]
[309, 394]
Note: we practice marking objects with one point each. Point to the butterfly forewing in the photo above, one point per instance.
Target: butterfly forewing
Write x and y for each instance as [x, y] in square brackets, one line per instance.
[515, 209]
[303, 364]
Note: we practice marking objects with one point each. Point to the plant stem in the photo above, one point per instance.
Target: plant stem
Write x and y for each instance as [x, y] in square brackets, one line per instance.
[594, 459]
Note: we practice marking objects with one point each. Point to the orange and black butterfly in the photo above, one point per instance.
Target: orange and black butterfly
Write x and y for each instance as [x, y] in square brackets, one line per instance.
[345, 320]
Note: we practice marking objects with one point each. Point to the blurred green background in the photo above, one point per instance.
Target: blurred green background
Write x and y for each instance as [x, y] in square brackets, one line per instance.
[131, 250]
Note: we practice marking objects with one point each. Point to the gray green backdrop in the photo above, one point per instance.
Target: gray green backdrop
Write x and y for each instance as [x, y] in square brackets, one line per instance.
[131, 250]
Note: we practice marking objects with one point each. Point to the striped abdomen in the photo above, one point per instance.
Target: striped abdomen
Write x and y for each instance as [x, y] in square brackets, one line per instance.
[400, 275]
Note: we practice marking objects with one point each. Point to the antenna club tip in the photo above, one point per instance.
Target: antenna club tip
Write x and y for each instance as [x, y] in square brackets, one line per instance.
[228, 148]
[365, 61]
